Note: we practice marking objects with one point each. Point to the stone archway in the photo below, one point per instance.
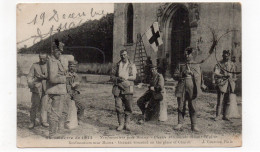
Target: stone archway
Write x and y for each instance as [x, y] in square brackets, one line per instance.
[176, 33]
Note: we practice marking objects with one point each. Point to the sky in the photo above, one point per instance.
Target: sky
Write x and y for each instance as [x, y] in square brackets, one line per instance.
[38, 21]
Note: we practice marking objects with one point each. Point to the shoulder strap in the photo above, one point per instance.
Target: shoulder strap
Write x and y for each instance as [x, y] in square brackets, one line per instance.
[156, 80]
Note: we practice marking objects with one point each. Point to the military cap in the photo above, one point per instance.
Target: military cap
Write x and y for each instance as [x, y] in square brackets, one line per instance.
[153, 66]
[73, 63]
[226, 52]
[189, 50]
[57, 45]
[123, 50]
[43, 55]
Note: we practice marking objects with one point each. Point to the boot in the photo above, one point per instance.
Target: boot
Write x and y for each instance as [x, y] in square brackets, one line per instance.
[61, 127]
[127, 122]
[217, 118]
[31, 125]
[121, 122]
[45, 124]
[142, 120]
[193, 119]
[226, 118]
[194, 128]
[53, 129]
[44, 118]
[178, 127]
[80, 116]
[218, 113]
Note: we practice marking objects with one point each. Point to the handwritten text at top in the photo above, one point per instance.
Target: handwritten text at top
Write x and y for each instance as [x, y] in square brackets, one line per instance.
[55, 16]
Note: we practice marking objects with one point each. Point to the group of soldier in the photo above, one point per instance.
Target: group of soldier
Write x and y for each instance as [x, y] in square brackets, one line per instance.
[55, 89]
[189, 87]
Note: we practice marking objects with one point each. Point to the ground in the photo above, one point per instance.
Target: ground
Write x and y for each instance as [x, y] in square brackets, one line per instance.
[100, 116]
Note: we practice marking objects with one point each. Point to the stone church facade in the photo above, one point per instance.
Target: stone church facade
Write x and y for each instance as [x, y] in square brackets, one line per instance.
[181, 25]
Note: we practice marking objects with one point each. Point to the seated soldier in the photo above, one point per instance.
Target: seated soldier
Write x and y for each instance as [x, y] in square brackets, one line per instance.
[153, 96]
[73, 81]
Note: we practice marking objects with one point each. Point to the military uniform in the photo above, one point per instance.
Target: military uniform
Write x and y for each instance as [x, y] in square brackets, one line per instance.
[37, 84]
[73, 81]
[148, 74]
[56, 90]
[225, 82]
[154, 97]
[123, 90]
[189, 79]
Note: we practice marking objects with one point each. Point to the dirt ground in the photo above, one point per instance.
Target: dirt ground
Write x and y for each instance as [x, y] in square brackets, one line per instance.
[100, 116]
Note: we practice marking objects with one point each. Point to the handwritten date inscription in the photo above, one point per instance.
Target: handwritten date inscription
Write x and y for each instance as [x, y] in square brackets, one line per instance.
[59, 21]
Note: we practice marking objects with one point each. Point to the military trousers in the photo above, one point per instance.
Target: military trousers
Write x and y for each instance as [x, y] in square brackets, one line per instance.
[192, 105]
[57, 113]
[150, 108]
[80, 104]
[36, 108]
[223, 101]
[124, 104]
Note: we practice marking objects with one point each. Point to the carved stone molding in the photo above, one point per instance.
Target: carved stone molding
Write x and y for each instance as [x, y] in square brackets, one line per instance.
[194, 14]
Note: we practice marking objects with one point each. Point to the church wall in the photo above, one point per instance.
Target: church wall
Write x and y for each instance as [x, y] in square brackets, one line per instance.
[144, 16]
[219, 16]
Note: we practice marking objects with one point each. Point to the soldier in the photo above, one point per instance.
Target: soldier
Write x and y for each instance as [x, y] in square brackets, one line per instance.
[56, 90]
[189, 77]
[73, 81]
[165, 66]
[224, 78]
[147, 70]
[37, 84]
[154, 95]
[123, 76]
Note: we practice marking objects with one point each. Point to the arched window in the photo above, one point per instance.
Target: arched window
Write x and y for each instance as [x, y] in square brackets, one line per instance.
[129, 23]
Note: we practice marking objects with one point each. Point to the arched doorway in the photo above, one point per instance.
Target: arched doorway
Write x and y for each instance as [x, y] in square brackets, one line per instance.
[180, 37]
[176, 34]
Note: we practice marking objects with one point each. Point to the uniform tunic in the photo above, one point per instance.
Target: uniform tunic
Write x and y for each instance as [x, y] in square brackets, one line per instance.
[123, 88]
[154, 99]
[189, 79]
[56, 90]
[72, 84]
[37, 85]
[225, 82]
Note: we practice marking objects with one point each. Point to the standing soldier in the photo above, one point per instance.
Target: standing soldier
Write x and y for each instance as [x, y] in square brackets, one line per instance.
[73, 82]
[153, 96]
[123, 76]
[224, 78]
[165, 66]
[37, 84]
[56, 90]
[189, 77]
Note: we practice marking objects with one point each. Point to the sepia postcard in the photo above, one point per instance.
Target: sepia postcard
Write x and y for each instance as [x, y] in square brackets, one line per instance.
[129, 75]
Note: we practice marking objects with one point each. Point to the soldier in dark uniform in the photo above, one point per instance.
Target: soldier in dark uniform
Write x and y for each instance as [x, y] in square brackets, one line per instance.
[73, 83]
[37, 84]
[153, 96]
[147, 70]
[189, 77]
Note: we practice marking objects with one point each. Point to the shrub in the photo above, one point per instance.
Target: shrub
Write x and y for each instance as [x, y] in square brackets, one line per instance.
[95, 68]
